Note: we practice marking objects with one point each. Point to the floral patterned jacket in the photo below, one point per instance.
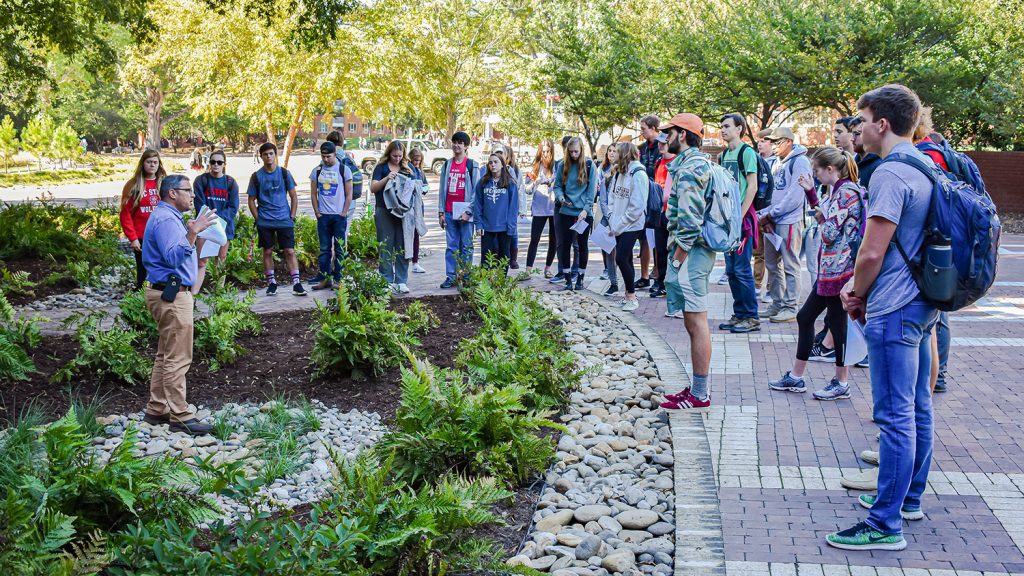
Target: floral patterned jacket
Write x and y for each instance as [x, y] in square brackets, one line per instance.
[841, 231]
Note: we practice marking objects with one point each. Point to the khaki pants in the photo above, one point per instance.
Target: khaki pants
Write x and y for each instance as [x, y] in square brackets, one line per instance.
[173, 355]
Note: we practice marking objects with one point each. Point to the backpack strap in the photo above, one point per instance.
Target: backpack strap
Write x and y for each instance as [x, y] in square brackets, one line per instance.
[930, 174]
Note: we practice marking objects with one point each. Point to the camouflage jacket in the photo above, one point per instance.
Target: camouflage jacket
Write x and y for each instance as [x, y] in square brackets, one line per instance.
[687, 197]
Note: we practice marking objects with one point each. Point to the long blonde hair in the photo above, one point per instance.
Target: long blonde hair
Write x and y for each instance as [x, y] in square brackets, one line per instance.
[582, 176]
[138, 179]
[403, 165]
[628, 152]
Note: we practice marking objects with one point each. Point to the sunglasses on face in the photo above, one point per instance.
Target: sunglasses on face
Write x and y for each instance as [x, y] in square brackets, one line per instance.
[217, 162]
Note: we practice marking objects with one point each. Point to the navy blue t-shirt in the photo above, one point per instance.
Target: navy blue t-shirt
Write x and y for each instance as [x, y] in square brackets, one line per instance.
[220, 194]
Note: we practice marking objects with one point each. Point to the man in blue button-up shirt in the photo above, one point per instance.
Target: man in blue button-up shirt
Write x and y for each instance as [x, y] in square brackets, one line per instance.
[169, 251]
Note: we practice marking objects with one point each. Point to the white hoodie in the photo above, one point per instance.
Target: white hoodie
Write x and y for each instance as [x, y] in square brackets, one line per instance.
[627, 200]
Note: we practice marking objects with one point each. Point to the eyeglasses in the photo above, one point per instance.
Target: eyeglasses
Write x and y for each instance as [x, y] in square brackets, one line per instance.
[217, 162]
[186, 190]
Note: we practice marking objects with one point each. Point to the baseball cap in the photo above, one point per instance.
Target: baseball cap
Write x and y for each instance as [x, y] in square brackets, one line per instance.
[686, 121]
[662, 138]
[781, 133]
[328, 148]
[762, 134]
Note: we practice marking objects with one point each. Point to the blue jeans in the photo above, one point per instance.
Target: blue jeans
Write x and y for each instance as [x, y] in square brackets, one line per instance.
[899, 345]
[943, 335]
[330, 229]
[458, 237]
[741, 280]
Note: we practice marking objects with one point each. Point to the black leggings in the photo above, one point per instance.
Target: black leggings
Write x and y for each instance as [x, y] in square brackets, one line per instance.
[536, 230]
[140, 269]
[835, 317]
[661, 250]
[569, 238]
[624, 244]
[496, 243]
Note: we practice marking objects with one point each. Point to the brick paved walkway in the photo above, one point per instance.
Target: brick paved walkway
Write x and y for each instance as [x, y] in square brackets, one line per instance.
[778, 457]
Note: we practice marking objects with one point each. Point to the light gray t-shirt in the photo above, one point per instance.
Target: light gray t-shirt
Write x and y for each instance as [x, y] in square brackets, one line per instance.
[901, 194]
[331, 187]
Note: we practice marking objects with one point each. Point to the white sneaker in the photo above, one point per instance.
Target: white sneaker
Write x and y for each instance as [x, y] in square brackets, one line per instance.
[418, 269]
[766, 297]
[403, 289]
[393, 288]
[630, 305]
[676, 314]
[723, 279]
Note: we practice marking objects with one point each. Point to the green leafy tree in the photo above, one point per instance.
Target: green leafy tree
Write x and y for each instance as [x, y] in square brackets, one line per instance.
[65, 143]
[8, 141]
[37, 137]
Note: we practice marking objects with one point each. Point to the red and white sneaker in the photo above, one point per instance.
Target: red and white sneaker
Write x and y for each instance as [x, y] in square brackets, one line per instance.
[687, 403]
[678, 396]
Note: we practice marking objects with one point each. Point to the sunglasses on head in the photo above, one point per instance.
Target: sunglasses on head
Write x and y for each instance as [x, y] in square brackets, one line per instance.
[217, 162]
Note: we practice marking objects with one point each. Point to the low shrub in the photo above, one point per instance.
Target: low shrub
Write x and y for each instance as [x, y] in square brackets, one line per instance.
[307, 242]
[244, 261]
[136, 315]
[112, 353]
[362, 238]
[443, 425]
[17, 283]
[363, 281]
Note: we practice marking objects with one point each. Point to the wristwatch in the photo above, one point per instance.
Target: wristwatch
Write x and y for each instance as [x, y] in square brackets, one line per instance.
[676, 263]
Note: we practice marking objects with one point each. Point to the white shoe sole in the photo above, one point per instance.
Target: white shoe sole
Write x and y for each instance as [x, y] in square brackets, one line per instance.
[908, 516]
[800, 390]
[897, 546]
[830, 360]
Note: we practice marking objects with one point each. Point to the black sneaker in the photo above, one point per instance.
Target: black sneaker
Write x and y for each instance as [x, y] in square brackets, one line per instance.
[612, 290]
[191, 427]
[568, 283]
[558, 278]
[579, 282]
[272, 290]
[643, 283]
[657, 289]
[822, 353]
[940, 384]
[298, 290]
[448, 283]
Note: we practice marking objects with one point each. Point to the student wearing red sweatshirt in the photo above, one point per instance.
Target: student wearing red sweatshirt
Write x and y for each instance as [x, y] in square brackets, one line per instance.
[138, 198]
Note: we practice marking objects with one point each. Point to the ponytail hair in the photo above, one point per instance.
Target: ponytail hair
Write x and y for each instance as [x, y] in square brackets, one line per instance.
[841, 160]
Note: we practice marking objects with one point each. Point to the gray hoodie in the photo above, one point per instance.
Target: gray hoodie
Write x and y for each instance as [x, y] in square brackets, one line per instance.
[627, 200]
[788, 198]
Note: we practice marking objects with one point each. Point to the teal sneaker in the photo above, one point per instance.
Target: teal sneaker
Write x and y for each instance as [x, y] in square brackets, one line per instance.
[864, 537]
[907, 512]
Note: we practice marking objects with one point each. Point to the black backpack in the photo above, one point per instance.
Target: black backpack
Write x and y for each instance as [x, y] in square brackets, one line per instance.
[765, 180]
[655, 201]
[357, 175]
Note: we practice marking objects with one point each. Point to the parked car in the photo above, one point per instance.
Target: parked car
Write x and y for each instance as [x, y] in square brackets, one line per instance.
[433, 156]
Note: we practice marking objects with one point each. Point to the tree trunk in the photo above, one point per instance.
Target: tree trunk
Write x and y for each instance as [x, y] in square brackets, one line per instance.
[154, 106]
[293, 128]
[269, 127]
[450, 127]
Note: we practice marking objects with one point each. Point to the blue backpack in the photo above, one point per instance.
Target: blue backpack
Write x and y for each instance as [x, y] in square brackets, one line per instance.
[961, 220]
[961, 166]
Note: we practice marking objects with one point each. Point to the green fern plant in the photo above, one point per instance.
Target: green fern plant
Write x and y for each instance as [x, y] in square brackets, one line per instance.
[112, 353]
[216, 334]
[16, 335]
[362, 241]
[17, 283]
[136, 315]
[443, 425]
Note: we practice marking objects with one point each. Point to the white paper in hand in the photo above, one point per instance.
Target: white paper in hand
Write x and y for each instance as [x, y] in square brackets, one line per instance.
[579, 227]
[775, 239]
[460, 208]
[602, 239]
[856, 343]
[216, 236]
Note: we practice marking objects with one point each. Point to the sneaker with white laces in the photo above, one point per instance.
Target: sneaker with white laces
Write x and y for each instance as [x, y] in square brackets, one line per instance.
[788, 383]
[402, 289]
[630, 305]
[906, 512]
[822, 353]
[418, 269]
[723, 280]
[834, 391]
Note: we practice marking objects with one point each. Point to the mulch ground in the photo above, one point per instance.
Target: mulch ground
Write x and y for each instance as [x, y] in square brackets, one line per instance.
[38, 270]
[277, 363]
